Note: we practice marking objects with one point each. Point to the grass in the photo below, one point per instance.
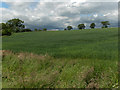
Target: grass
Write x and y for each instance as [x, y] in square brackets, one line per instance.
[61, 59]
[94, 44]
[24, 70]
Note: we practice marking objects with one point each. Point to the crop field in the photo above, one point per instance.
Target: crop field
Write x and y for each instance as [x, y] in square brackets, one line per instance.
[61, 59]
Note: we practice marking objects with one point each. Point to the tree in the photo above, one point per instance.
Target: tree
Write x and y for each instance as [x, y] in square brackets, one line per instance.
[35, 29]
[6, 32]
[26, 30]
[3, 26]
[44, 29]
[65, 29]
[39, 30]
[105, 24]
[92, 25]
[81, 26]
[69, 27]
[0, 26]
[16, 25]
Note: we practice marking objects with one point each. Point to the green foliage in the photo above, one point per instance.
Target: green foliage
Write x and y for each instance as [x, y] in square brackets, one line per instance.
[0, 32]
[92, 25]
[6, 32]
[16, 25]
[26, 30]
[13, 25]
[102, 27]
[35, 29]
[105, 24]
[69, 27]
[0, 26]
[81, 26]
[44, 29]
[65, 29]
[39, 30]
[3, 26]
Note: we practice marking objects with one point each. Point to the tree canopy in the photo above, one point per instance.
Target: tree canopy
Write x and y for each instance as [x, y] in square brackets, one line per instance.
[81, 26]
[65, 29]
[69, 27]
[105, 24]
[3, 26]
[92, 25]
[44, 29]
[16, 25]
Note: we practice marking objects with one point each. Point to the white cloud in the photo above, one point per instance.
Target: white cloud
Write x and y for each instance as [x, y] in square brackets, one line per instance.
[60, 0]
[106, 14]
[18, 0]
[60, 14]
[95, 15]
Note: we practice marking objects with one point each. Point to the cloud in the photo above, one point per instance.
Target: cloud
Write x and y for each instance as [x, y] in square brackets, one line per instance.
[57, 15]
[18, 0]
[60, 0]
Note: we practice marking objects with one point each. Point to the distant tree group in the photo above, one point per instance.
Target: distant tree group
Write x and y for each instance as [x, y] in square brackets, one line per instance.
[44, 29]
[26, 30]
[16, 25]
[92, 25]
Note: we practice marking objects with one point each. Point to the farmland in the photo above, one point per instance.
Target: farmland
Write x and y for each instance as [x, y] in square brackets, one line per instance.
[61, 59]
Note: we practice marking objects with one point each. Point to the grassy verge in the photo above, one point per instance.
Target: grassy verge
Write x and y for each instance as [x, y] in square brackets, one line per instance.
[28, 70]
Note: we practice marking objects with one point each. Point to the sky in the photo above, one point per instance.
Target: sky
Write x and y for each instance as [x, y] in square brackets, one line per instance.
[58, 14]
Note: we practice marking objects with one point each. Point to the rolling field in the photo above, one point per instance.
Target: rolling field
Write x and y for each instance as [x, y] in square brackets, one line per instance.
[61, 59]
[95, 44]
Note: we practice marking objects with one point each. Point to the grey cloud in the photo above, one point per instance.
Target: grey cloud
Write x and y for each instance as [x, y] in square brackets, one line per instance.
[53, 15]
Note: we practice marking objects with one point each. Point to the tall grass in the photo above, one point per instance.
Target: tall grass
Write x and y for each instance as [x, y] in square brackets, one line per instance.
[25, 70]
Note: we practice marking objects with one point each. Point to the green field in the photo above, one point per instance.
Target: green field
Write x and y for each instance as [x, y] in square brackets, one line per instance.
[63, 59]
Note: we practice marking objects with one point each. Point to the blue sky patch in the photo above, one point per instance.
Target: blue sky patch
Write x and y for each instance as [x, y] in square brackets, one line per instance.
[4, 5]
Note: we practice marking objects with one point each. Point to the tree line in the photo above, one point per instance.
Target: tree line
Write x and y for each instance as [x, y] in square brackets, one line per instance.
[16, 25]
[92, 25]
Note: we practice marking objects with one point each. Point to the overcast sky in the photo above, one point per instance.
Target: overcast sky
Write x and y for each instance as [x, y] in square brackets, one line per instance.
[58, 14]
